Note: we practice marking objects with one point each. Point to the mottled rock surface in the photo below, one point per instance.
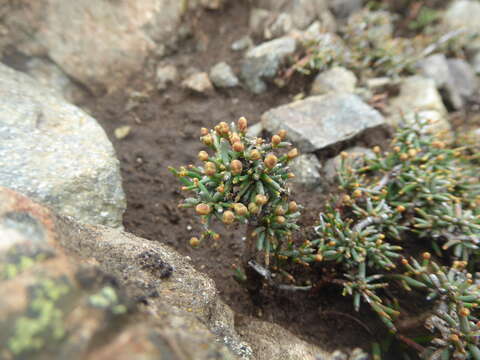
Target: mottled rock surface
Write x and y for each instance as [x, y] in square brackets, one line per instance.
[306, 168]
[223, 76]
[321, 121]
[83, 292]
[57, 154]
[97, 43]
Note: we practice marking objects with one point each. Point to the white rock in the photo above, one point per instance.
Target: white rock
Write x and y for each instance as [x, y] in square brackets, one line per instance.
[199, 83]
[336, 79]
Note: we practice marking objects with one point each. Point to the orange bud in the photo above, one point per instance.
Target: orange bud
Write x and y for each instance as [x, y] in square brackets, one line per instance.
[426, 255]
[270, 161]
[283, 134]
[242, 124]
[397, 149]
[203, 209]
[292, 154]
[238, 147]
[210, 169]
[276, 139]
[376, 149]
[357, 193]
[292, 207]
[223, 128]
[412, 153]
[279, 210]
[216, 236]
[464, 312]
[403, 156]
[401, 208]
[203, 155]
[261, 199]
[255, 155]
[228, 217]
[234, 138]
[236, 167]
[318, 258]
[194, 241]
[220, 188]
[203, 131]
[344, 154]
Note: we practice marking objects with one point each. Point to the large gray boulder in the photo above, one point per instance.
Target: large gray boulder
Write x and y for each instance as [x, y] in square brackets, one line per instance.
[98, 43]
[57, 154]
[321, 121]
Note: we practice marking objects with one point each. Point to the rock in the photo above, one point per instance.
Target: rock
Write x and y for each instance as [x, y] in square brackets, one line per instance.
[304, 12]
[121, 34]
[122, 132]
[258, 19]
[476, 63]
[435, 67]
[199, 83]
[282, 25]
[344, 8]
[255, 130]
[454, 76]
[306, 168]
[222, 76]
[357, 155]
[379, 83]
[166, 75]
[464, 82]
[321, 121]
[57, 154]
[463, 14]
[50, 75]
[263, 61]
[376, 27]
[270, 341]
[87, 292]
[336, 79]
[243, 43]
[419, 97]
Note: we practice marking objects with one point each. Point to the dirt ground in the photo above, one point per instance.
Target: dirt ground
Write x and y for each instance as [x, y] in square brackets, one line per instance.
[165, 132]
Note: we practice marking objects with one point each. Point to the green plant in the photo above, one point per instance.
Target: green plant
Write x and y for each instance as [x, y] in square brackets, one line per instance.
[243, 180]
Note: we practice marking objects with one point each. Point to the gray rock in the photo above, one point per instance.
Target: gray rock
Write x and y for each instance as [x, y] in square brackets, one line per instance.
[223, 76]
[336, 79]
[255, 130]
[243, 43]
[321, 121]
[263, 61]
[166, 75]
[306, 168]
[282, 25]
[419, 97]
[463, 14]
[344, 8]
[121, 34]
[258, 19]
[199, 83]
[304, 12]
[55, 153]
[463, 81]
[270, 341]
[51, 76]
[379, 83]
[212, 4]
[357, 155]
[435, 67]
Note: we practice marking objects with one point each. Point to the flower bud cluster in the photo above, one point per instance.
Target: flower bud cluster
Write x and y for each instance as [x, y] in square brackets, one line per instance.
[243, 179]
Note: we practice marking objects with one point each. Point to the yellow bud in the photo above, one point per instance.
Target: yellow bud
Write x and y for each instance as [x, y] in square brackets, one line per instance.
[282, 133]
[279, 219]
[401, 208]
[255, 155]
[203, 209]
[242, 124]
[279, 210]
[426, 255]
[210, 169]
[412, 153]
[291, 175]
[397, 149]
[344, 154]
[261, 199]
[357, 193]
[276, 139]
[318, 258]
[203, 131]
[253, 208]
[238, 147]
[240, 209]
[194, 241]
[236, 167]
[203, 155]
[207, 140]
[222, 128]
[292, 154]
[270, 161]
[228, 217]
[292, 207]
[403, 156]
[376, 149]
[220, 188]
[234, 138]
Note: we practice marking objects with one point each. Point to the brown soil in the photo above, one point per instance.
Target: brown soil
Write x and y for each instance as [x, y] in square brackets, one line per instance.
[165, 131]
